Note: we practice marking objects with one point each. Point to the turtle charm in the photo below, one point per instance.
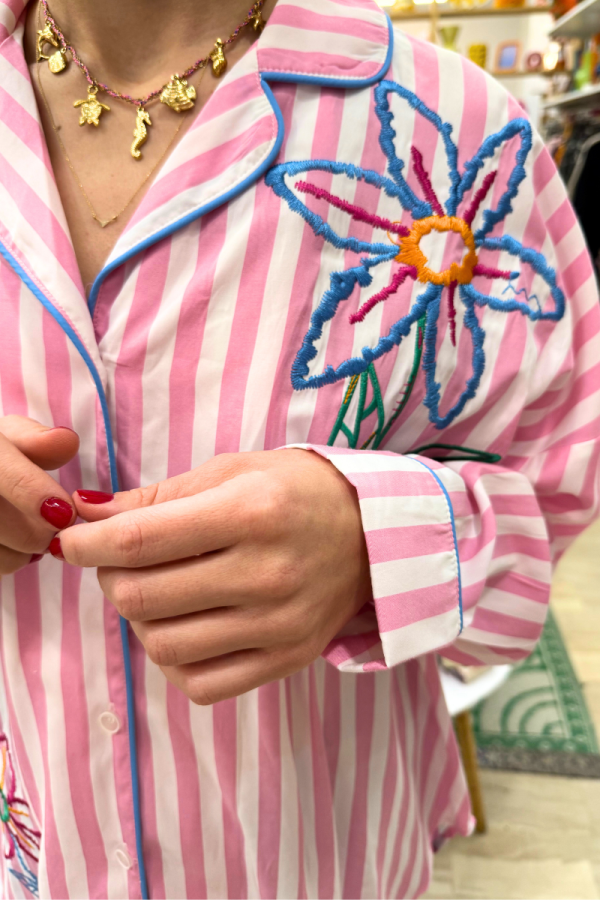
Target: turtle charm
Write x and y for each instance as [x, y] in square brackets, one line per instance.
[91, 108]
[178, 95]
[217, 56]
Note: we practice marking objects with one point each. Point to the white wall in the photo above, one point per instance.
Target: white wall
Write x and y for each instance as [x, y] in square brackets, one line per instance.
[530, 30]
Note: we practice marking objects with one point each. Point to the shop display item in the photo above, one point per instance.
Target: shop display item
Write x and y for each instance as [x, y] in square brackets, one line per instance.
[508, 55]
[477, 53]
[449, 34]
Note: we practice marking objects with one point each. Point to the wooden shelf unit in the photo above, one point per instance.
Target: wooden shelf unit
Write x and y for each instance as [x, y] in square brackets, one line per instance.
[581, 22]
[445, 10]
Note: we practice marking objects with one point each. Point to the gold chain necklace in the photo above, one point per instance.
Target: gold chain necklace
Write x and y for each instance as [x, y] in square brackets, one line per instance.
[102, 222]
[177, 94]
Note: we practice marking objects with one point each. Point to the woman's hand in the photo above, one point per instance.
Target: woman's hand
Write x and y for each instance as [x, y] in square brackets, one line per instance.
[235, 574]
[33, 506]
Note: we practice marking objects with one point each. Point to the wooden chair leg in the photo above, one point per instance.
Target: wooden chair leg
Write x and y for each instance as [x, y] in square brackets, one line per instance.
[466, 741]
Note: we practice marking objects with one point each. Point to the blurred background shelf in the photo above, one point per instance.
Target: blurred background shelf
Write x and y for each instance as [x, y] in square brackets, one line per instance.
[575, 99]
[582, 21]
[448, 11]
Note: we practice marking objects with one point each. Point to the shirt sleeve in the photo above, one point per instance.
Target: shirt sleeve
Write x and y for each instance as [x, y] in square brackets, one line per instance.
[461, 553]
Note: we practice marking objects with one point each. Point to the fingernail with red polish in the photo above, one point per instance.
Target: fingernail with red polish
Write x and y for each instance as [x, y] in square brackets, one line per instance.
[95, 497]
[36, 558]
[55, 548]
[56, 511]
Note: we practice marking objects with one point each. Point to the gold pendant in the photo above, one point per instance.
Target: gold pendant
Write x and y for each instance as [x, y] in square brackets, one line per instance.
[45, 36]
[219, 63]
[258, 23]
[57, 62]
[178, 95]
[140, 132]
[91, 108]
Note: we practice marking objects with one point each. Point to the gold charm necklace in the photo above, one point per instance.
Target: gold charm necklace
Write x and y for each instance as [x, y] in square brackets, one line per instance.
[102, 222]
[176, 94]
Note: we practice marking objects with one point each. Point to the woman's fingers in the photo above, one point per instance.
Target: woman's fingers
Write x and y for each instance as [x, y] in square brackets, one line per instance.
[12, 560]
[27, 534]
[228, 577]
[188, 639]
[31, 490]
[48, 448]
[158, 534]
[224, 677]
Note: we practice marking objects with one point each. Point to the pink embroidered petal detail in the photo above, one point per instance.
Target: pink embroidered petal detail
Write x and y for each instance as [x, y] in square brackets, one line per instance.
[452, 311]
[399, 278]
[425, 182]
[480, 197]
[361, 215]
[490, 272]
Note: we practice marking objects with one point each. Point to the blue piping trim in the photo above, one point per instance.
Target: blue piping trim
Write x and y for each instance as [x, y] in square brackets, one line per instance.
[265, 78]
[76, 341]
[452, 522]
[343, 83]
[197, 213]
[100, 278]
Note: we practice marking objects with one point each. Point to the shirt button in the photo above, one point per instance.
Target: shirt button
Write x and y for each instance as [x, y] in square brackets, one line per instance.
[110, 722]
[123, 858]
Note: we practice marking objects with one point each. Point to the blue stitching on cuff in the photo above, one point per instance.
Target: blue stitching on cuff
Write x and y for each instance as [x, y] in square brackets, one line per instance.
[451, 511]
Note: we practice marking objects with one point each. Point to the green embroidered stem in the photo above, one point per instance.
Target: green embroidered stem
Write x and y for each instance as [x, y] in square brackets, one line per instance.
[468, 453]
[376, 403]
[363, 411]
[339, 422]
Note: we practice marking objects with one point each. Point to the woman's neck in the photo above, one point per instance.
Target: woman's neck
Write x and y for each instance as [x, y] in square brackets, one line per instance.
[130, 41]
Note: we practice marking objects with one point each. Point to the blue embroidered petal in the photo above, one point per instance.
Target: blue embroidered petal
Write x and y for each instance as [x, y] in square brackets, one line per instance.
[419, 208]
[433, 387]
[509, 301]
[517, 127]
[341, 286]
[276, 179]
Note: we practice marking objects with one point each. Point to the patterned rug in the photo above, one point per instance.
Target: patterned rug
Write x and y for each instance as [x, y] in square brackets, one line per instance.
[538, 720]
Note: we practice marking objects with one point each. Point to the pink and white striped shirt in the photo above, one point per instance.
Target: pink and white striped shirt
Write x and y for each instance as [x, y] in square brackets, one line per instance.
[359, 246]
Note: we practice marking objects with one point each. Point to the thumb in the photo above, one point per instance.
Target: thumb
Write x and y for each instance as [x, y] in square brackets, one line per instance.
[46, 447]
[95, 505]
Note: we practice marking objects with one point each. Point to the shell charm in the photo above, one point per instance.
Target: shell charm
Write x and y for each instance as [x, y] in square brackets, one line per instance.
[178, 95]
[45, 36]
[57, 62]
[91, 108]
[217, 56]
[140, 132]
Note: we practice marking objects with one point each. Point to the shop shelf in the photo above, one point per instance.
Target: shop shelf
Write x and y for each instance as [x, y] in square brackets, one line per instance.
[447, 11]
[587, 97]
[582, 21]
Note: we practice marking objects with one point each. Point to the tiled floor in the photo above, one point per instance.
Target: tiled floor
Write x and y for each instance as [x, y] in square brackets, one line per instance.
[544, 832]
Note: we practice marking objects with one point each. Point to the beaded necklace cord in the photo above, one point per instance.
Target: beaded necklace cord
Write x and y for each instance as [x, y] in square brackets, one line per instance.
[102, 222]
[66, 47]
[176, 94]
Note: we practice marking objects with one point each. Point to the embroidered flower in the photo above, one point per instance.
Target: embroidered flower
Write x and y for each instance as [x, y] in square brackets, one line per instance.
[21, 842]
[406, 245]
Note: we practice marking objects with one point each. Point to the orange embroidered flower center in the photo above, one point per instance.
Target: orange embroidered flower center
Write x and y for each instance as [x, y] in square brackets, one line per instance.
[411, 253]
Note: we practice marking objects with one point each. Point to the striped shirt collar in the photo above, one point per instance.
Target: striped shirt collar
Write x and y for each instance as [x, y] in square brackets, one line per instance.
[235, 138]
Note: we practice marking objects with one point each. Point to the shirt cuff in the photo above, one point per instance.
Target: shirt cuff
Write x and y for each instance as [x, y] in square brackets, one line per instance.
[409, 530]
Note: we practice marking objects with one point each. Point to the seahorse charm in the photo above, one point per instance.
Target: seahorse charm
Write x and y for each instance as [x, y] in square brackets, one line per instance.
[219, 63]
[140, 132]
[258, 23]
